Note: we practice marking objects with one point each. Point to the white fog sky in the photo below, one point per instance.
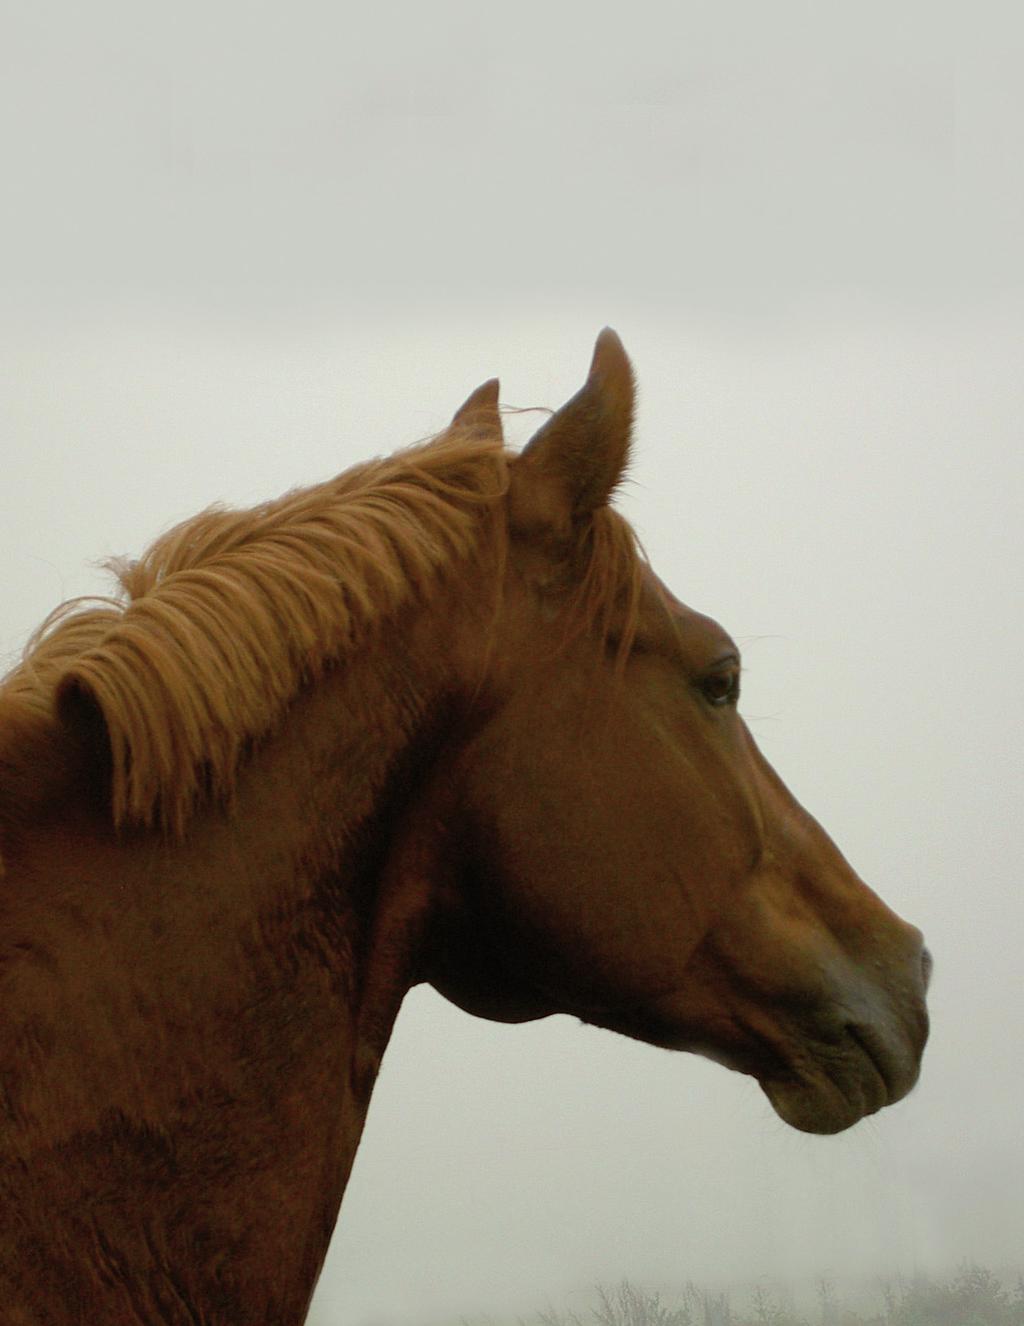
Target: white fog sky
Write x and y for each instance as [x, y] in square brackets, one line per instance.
[246, 246]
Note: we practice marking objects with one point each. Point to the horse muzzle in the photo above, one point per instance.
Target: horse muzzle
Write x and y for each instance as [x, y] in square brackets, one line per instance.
[854, 1055]
[826, 1052]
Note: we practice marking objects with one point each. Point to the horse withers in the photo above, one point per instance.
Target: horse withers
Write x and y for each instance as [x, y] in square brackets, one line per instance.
[435, 720]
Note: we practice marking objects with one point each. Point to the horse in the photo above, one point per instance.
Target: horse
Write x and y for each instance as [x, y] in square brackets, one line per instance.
[435, 720]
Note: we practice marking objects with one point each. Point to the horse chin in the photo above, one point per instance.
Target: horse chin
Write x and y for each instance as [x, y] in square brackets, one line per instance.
[819, 1079]
[828, 1095]
[819, 1105]
[809, 1098]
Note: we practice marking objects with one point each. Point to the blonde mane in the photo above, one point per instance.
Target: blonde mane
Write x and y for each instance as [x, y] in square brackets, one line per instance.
[227, 616]
[230, 613]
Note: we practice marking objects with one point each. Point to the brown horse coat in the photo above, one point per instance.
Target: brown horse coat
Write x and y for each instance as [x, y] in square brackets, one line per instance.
[433, 720]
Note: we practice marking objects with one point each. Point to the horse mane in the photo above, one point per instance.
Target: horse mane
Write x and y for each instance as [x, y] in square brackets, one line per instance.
[225, 618]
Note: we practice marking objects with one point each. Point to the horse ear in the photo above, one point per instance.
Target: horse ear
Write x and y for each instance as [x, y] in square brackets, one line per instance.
[571, 466]
[479, 414]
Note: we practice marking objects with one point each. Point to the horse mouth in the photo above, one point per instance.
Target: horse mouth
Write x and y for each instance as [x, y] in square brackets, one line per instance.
[826, 1080]
[823, 1068]
[836, 1085]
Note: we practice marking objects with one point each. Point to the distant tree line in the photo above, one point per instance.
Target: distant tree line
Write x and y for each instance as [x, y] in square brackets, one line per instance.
[974, 1296]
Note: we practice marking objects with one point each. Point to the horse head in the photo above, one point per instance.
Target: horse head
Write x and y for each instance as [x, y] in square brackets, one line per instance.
[624, 852]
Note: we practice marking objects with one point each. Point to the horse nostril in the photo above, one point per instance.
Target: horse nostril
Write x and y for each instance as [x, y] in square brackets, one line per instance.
[926, 967]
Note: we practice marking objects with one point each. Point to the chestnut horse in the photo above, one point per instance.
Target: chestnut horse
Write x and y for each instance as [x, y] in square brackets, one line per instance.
[435, 720]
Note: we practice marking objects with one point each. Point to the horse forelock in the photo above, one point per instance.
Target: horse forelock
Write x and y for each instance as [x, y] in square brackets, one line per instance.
[229, 614]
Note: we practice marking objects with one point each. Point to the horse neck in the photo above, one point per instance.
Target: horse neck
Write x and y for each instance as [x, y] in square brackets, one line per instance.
[210, 1060]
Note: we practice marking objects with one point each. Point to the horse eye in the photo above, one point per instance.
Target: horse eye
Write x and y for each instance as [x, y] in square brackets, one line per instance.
[721, 688]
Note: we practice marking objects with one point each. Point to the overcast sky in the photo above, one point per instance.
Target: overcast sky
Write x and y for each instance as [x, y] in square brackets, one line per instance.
[245, 247]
